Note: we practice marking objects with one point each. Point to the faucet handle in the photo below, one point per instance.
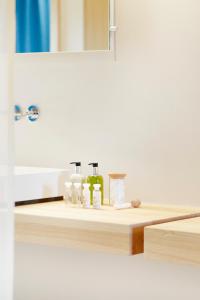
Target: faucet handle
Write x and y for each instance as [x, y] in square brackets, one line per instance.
[33, 113]
[18, 113]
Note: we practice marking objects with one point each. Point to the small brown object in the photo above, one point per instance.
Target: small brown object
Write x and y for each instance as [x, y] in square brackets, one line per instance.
[136, 203]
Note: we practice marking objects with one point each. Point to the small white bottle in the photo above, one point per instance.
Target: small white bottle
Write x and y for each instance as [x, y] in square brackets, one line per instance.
[97, 196]
[68, 192]
[78, 194]
[86, 195]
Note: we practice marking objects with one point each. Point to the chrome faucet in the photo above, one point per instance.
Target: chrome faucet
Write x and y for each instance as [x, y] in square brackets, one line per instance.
[32, 113]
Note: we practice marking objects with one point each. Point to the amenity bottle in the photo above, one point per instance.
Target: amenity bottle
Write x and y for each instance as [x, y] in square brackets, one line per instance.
[76, 178]
[95, 178]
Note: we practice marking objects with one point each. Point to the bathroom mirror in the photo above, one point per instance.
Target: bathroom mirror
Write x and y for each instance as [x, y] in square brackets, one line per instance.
[63, 25]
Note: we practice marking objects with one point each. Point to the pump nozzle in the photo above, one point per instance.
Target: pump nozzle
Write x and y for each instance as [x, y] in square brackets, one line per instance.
[95, 165]
[77, 164]
[95, 168]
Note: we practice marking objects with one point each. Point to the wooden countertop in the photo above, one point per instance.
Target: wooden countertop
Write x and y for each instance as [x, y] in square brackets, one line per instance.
[176, 241]
[116, 231]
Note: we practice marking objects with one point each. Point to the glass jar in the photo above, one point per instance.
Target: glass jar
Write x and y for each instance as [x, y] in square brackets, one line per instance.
[117, 195]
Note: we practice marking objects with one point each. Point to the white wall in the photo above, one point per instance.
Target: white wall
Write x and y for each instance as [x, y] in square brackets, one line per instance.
[139, 115]
[50, 273]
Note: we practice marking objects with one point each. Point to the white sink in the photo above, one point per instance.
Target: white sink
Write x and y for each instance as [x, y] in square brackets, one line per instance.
[33, 183]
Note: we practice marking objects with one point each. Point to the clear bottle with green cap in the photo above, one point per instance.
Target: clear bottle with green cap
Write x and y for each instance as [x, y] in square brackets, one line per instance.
[95, 178]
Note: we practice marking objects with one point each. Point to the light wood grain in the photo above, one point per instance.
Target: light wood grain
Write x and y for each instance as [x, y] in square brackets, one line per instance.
[176, 241]
[116, 231]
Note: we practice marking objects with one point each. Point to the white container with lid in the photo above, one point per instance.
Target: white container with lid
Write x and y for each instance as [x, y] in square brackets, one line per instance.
[117, 195]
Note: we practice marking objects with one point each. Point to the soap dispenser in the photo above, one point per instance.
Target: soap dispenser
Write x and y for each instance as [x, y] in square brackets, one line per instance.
[76, 178]
[93, 179]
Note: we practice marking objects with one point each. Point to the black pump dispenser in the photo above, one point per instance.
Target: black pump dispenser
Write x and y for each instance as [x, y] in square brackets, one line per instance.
[77, 164]
[95, 165]
[95, 168]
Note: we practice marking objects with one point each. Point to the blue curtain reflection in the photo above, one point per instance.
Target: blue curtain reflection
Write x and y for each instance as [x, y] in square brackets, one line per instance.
[33, 26]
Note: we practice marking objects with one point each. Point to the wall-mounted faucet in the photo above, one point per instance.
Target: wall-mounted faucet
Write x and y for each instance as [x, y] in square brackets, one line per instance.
[32, 113]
